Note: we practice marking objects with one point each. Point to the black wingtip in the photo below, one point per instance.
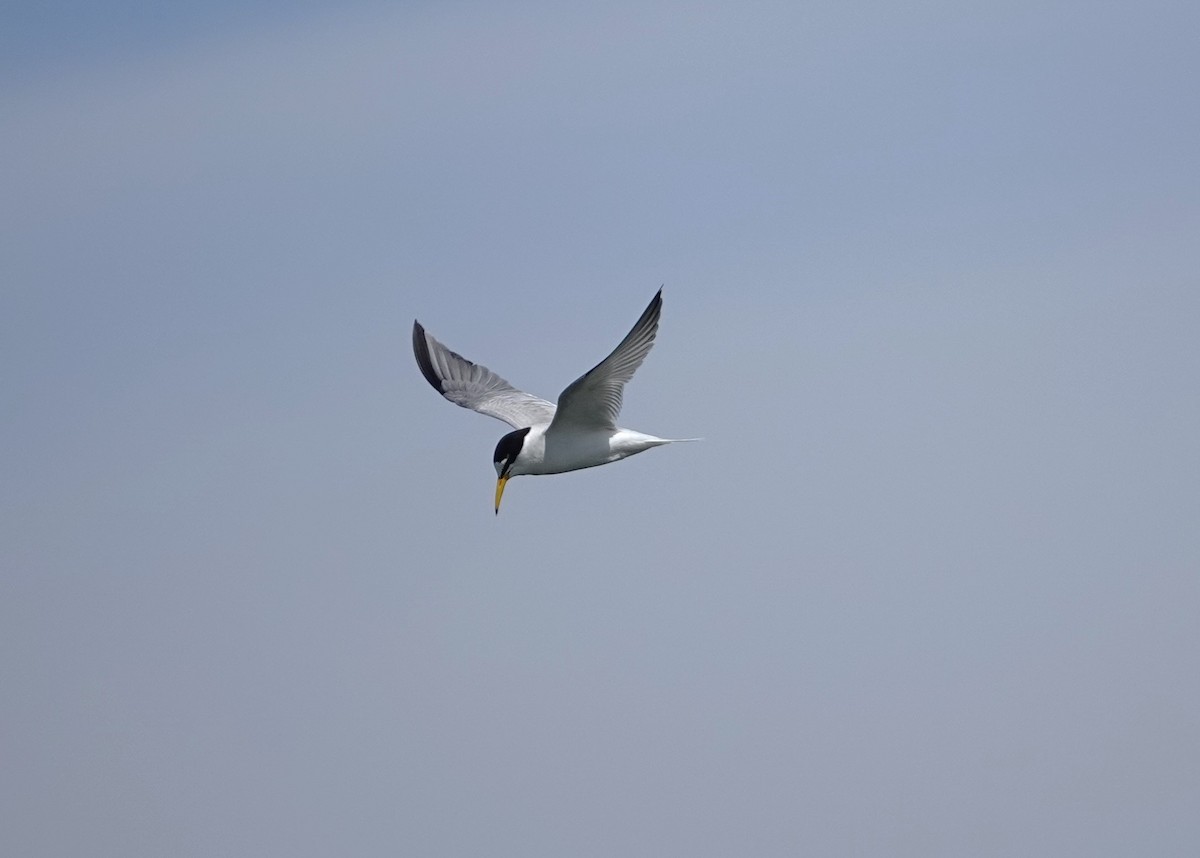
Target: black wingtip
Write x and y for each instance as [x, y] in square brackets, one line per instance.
[424, 361]
[653, 308]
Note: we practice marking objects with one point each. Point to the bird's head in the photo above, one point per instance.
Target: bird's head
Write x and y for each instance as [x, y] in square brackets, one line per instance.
[507, 451]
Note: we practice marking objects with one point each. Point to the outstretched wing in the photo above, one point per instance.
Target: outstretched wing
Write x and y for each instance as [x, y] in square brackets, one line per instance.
[593, 400]
[474, 386]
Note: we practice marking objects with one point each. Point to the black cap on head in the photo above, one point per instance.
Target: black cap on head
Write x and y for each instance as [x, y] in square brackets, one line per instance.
[509, 446]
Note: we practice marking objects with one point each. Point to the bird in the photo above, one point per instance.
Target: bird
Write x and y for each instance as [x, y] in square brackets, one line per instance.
[580, 431]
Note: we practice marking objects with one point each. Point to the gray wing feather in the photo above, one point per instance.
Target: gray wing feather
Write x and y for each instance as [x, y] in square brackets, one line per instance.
[474, 386]
[594, 399]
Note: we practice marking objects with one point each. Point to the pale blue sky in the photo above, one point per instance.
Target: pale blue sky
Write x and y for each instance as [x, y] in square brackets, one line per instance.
[929, 587]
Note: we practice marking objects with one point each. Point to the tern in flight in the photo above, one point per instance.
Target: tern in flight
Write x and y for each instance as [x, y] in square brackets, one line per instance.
[580, 432]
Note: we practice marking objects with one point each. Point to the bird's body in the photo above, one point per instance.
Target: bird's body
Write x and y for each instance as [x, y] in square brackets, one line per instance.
[579, 432]
[548, 452]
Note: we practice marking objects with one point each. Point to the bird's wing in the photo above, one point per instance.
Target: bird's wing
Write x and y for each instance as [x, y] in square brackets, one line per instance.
[593, 400]
[474, 386]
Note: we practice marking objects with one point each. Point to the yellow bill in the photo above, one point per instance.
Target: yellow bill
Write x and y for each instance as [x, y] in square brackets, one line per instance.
[500, 492]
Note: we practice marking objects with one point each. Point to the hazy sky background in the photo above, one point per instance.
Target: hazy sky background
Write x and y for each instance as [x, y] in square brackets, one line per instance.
[930, 586]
